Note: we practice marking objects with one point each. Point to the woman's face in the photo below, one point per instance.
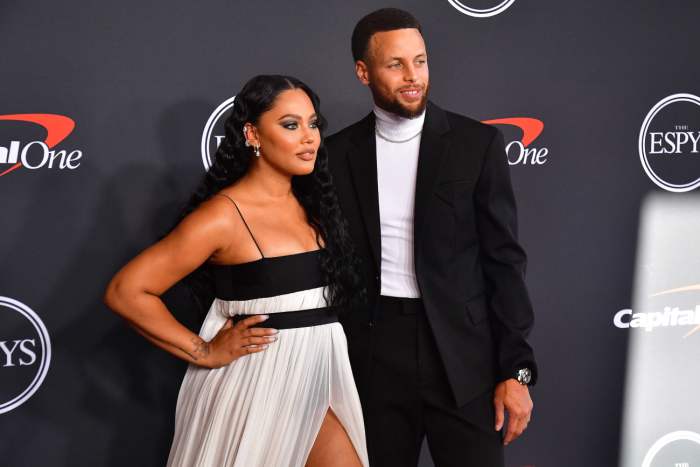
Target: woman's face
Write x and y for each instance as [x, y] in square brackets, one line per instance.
[288, 133]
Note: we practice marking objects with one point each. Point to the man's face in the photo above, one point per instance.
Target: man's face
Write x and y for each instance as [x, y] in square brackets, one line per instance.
[396, 71]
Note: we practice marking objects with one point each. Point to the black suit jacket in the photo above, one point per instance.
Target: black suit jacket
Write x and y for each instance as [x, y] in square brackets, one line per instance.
[469, 266]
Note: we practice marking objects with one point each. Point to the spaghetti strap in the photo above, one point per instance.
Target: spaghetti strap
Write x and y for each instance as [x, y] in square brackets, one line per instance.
[244, 222]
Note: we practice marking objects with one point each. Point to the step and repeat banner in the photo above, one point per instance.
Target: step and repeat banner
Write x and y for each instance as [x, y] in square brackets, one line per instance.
[109, 116]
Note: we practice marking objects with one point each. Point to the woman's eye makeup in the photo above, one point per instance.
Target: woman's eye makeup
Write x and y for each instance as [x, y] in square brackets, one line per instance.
[292, 125]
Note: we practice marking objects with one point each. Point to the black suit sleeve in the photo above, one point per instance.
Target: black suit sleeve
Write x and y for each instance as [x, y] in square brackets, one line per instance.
[503, 262]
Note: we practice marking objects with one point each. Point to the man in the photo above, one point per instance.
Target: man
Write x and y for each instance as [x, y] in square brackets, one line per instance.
[440, 351]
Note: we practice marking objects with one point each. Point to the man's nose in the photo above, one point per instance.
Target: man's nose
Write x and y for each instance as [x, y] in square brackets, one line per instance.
[409, 73]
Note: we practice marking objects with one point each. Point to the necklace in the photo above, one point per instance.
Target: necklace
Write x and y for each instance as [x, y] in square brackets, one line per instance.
[385, 138]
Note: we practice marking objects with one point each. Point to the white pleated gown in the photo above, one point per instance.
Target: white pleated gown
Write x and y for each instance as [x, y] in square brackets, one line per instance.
[265, 409]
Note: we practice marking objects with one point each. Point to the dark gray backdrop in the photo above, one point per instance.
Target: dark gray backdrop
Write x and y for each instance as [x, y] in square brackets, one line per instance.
[140, 80]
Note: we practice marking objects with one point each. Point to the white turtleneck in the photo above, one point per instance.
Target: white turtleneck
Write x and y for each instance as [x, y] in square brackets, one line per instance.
[398, 141]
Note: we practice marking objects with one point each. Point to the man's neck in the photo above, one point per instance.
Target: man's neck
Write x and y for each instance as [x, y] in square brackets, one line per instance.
[396, 128]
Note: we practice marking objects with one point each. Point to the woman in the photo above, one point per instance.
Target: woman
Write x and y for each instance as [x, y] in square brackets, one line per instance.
[267, 226]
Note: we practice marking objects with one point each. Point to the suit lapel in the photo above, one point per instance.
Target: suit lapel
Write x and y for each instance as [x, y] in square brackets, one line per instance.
[433, 146]
[362, 159]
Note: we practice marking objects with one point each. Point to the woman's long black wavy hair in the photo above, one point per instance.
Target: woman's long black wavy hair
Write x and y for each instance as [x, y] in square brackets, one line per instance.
[314, 191]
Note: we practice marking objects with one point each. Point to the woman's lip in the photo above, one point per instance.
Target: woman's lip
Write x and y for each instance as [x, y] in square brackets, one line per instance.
[307, 156]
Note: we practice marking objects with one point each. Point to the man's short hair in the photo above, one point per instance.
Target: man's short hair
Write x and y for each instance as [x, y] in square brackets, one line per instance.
[386, 19]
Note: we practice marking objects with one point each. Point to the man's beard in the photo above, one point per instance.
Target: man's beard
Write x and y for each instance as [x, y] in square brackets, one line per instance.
[392, 104]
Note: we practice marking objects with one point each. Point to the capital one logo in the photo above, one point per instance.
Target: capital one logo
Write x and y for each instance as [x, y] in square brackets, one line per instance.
[676, 449]
[37, 154]
[471, 10]
[25, 353]
[668, 316]
[669, 143]
[520, 152]
[213, 132]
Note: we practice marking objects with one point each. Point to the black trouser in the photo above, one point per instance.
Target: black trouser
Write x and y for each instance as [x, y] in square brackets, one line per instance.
[408, 397]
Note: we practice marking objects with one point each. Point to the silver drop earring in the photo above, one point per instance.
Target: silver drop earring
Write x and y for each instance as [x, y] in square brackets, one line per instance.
[257, 150]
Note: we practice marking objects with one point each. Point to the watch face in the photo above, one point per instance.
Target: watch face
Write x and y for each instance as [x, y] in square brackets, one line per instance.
[524, 376]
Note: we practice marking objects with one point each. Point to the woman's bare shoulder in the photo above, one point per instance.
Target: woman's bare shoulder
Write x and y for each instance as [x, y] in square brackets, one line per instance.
[215, 217]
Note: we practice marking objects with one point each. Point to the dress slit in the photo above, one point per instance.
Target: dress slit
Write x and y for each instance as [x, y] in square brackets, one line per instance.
[343, 426]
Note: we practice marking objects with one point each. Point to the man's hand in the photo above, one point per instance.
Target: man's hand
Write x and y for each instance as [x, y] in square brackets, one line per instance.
[515, 398]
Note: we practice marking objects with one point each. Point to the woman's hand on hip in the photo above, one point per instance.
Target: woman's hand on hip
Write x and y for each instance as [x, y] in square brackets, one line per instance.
[233, 341]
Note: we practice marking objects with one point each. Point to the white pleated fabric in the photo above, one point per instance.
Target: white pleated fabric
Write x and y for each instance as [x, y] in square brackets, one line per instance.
[265, 409]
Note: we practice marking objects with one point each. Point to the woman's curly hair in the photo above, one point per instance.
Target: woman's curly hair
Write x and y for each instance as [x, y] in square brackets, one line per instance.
[315, 191]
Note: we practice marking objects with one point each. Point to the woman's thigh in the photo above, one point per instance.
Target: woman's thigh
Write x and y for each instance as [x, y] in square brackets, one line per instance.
[332, 447]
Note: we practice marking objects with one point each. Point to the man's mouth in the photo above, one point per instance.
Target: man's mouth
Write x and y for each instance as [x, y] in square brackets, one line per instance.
[411, 94]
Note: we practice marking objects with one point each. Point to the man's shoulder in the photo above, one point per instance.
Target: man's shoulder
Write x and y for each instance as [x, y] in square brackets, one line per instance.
[339, 143]
[342, 137]
[468, 126]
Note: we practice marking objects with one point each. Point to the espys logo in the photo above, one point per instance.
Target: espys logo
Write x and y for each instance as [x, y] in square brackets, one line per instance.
[671, 316]
[37, 154]
[482, 12]
[669, 143]
[520, 152]
[677, 449]
[25, 353]
[214, 131]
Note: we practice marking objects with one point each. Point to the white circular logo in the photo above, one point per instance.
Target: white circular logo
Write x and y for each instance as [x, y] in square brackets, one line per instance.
[669, 143]
[664, 441]
[481, 12]
[213, 131]
[25, 353]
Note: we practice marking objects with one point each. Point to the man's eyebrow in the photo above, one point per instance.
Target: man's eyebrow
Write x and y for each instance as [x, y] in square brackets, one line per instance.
[422, 54]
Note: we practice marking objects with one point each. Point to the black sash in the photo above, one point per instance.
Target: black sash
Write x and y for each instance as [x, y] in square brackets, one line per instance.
[294, 319]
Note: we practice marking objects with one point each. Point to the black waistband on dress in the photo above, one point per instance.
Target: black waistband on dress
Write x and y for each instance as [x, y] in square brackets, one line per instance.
[294, 319]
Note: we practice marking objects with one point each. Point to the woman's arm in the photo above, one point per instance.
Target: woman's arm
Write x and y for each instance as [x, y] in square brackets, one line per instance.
[134, 292]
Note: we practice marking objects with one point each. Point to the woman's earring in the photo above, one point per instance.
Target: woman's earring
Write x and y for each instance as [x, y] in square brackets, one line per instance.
[257, 150]
[245, 137]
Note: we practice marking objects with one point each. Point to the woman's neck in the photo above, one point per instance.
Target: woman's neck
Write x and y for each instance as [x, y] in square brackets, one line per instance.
[264, 182]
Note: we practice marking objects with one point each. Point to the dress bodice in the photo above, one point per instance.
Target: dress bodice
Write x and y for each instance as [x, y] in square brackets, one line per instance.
[268, 276]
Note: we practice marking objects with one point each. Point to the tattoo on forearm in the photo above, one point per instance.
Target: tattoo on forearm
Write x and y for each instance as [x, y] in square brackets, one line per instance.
[201, 348]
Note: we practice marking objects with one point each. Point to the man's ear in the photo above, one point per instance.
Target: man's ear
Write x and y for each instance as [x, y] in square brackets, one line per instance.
[362, 72]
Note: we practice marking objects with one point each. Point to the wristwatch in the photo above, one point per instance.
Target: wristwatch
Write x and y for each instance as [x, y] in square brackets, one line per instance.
[524, 376]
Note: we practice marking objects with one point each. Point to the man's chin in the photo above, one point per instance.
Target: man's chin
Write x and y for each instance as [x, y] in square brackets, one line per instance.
[416, 109]
[405, 110]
